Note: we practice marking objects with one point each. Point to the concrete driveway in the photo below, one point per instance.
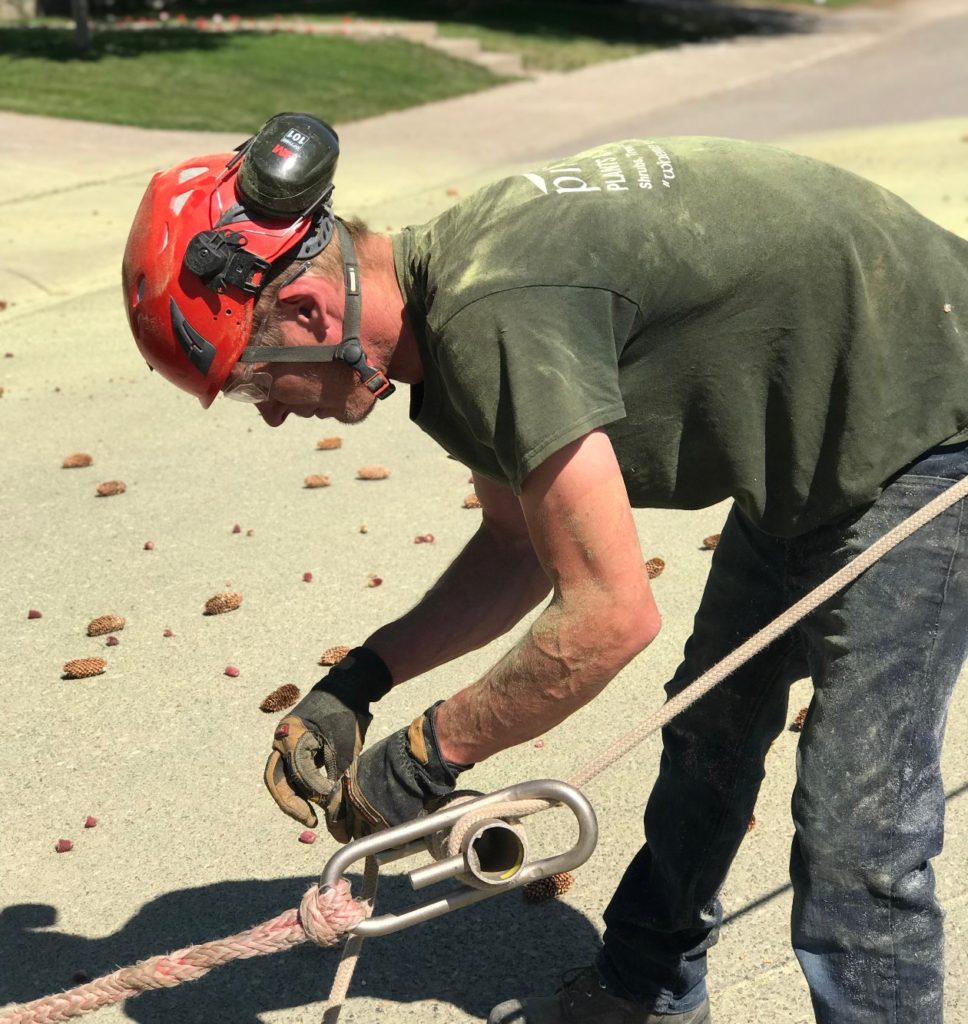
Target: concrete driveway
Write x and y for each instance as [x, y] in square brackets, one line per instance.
[164, 749]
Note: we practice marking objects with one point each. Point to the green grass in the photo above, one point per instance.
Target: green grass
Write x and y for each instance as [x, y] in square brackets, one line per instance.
[180, 78]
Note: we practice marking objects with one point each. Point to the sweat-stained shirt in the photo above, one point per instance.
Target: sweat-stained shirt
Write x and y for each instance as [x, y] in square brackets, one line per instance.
[742, 322]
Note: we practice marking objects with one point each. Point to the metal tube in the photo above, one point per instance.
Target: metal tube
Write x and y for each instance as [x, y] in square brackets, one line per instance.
[438, 871]
[495, 851]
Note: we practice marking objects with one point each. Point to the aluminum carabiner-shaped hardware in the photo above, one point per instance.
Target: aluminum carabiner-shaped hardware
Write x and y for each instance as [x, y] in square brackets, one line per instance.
[493, 854]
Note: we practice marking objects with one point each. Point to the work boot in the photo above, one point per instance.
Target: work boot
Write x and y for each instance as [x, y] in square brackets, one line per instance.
[583, 999]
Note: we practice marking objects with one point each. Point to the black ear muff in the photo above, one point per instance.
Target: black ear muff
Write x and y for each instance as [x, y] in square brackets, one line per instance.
[287, 169]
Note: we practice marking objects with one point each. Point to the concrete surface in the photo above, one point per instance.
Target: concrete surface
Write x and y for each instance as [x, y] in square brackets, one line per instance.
[164, 749]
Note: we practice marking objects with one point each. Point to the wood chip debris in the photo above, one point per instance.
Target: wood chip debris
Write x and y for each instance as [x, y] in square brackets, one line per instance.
[105, 624]
[83, 668]
[77, 460]
[372, 473]
[472, 501]
[334, 655]
[282, 697]
[316, 480]
[326, 444]
[424, 538]
[751, 824]
[543, 889]
[797, 724]
[710, 542]
[220, 603]
[111, 487]
[654, 567]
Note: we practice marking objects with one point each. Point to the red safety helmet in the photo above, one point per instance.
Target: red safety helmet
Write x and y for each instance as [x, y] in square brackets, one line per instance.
[204, 241]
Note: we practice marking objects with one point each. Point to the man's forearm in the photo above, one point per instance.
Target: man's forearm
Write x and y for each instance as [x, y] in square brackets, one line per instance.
[559, 665]
[485, 591]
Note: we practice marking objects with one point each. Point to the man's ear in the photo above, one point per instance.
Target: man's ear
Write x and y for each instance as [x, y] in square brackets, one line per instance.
[307, 302]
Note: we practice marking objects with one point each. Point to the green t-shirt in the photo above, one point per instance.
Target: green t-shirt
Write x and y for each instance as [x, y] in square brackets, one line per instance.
[742, 321]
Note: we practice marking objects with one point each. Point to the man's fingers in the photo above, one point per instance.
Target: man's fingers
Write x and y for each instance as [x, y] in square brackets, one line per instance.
[279, 786]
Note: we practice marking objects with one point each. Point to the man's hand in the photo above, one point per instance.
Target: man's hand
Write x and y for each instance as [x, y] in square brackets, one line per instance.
[393, 782]
[318, 740]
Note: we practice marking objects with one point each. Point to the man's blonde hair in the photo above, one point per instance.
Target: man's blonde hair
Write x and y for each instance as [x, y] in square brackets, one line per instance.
[267, 316]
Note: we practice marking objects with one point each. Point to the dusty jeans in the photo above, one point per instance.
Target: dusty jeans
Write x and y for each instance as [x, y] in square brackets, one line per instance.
[868, 806]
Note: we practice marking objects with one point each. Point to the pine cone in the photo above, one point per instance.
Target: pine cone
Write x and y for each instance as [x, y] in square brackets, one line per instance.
[334, 655]
[797, 724]
[226, 602]
[105, 624]
[77, 460]
[110, 487]
[472, 501]
[372, 473]
[542, 889]
[317, 480]
[654, 567]
[751, 824]
[325, 444]
[708, 543]
[281, 698]
[81, 668]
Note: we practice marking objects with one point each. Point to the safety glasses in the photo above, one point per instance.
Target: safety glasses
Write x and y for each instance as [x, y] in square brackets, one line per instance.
[246, 384]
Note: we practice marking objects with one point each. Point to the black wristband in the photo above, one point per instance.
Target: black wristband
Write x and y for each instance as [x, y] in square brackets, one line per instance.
[359, 680]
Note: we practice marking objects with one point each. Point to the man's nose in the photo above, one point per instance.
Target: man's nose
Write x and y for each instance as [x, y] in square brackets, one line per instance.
[273, 413]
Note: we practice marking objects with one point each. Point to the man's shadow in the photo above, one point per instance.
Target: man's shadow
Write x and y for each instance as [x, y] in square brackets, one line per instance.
[471, 958]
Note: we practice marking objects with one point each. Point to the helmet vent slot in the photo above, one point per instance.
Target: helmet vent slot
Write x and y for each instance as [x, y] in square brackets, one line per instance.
[190, 172]
[178, 203]
[140, 291]
[164, 240]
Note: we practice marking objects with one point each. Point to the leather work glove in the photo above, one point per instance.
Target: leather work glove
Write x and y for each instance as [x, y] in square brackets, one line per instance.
[319, 738]
[397, 780]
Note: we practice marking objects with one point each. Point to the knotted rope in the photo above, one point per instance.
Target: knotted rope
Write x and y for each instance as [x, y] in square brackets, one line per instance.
[324, 916]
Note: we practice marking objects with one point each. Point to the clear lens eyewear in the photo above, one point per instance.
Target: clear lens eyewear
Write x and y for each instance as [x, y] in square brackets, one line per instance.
[248, 386]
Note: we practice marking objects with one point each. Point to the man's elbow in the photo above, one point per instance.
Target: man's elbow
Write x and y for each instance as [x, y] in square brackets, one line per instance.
[636, 630]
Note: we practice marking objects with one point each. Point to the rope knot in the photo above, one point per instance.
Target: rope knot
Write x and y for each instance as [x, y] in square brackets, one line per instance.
[327, 914]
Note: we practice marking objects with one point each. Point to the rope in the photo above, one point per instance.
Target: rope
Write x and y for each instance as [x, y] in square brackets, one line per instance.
[325, 915]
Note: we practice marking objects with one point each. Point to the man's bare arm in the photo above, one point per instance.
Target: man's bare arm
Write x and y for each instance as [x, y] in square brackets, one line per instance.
[495, 580]
[601, 615]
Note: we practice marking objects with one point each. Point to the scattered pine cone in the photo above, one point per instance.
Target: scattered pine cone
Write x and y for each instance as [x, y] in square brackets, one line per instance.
[105, 624]
[472, 501]
[325, 444]
[654, 567]
[110, 487]
[81, 668]
[281, 698]
[710, 542]
[797, 724]
[220, 603]
[317, 480]
[542, 889]
[334, 655]
[77, 460]
[372, 473]
[751, 824]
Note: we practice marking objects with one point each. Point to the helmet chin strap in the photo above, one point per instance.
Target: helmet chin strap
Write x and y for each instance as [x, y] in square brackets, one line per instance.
[350, 349]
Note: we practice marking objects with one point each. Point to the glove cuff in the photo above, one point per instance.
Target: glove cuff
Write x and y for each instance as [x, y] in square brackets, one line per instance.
[424, 747]
[360, 679]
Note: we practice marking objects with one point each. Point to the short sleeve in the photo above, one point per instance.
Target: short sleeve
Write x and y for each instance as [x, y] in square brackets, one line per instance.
[532, 369]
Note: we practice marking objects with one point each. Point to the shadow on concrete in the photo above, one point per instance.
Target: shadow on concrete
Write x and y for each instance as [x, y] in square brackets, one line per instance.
[472, 959]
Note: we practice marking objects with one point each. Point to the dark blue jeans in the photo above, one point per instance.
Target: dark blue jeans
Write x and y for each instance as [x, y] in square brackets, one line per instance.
[868, 807]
